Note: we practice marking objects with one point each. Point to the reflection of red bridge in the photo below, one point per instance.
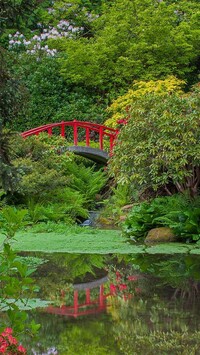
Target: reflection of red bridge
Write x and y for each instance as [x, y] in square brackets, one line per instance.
[89, 306]
[92, 306]
[104, 136]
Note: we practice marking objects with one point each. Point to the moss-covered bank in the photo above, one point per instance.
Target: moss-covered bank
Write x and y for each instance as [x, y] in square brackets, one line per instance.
[89, 240]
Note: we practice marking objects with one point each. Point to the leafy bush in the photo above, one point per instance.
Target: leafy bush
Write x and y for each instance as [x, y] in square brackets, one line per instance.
[179, 212]
[15, 278]
[54, 186]
[159, 148]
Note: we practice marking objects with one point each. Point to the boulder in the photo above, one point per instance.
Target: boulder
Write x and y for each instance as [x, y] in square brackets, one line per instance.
[160, 235]
[127, 207]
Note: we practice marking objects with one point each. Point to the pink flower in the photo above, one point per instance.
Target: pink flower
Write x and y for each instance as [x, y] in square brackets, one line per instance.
[118, 276]
[8, 344]
[12, 340]
[133, 278]
[8, 330]
[122, 287]
[22, 349]
[113, 289]
[3, 348]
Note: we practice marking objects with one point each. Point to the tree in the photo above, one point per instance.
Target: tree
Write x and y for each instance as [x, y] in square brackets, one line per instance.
[121, 106]
[12, 100]
[134, 40]
[14, 13]
[160, 145]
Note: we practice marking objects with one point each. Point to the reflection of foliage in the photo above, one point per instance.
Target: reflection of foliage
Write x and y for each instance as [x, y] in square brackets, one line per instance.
[147, 324]
[180, 273]
[123, 281]
[87, 337]
[153, 327]
[63, 270]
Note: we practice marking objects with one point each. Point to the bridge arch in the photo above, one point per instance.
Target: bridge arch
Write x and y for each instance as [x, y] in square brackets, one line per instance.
[105, 137]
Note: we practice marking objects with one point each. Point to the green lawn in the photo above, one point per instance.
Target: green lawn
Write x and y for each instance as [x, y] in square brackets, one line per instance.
[88, 240]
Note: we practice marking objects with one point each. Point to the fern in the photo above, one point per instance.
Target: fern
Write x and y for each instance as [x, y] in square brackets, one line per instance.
[87, 181]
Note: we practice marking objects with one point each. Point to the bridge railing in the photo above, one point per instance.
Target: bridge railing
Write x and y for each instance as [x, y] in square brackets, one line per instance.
[104, 133]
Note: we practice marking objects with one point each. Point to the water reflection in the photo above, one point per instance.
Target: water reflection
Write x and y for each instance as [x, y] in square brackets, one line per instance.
[141, 304]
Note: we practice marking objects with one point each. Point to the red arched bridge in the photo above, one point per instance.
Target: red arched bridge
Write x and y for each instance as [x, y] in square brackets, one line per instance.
[82, 131]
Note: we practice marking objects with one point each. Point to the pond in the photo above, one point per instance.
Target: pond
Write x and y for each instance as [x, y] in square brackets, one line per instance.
[117, 304]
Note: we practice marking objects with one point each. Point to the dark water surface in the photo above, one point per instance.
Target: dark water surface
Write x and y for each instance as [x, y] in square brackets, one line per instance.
[115, 304]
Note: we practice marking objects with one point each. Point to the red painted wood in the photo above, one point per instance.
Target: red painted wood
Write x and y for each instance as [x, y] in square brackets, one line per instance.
[89, 127]
[49, 131]
[62, 129]
[75, 125]
[87, 136]
[87, 292]
[101, 296]
[75, 301]
[101, 137]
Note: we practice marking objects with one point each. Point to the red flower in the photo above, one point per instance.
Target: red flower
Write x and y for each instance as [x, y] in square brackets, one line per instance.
[113, 289]
[3, 348]
[133, 278]
[22, 349]
[8, 331]
[8, 344]
[118, 275]
[122, 287]
[12, 340]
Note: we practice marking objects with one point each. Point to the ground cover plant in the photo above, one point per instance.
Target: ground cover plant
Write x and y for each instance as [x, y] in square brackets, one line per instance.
[57, 237]
[179, 212]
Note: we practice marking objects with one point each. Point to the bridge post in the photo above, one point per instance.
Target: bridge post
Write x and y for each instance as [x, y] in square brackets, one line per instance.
[101, 296]
[75, 132]
[62, 129]
[49, 131]
[87, 134]
[87, 292]
[76, 302]
[101, 138]
[111, 143]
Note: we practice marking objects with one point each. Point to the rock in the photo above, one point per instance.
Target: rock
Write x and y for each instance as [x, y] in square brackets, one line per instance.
[160, 235]
[126, 207]
[122, 218]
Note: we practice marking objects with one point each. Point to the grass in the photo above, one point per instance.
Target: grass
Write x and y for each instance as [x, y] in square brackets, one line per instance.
[53, 237]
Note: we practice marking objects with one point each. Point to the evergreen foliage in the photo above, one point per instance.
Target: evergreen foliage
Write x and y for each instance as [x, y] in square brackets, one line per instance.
[179, 212]
[159, 147]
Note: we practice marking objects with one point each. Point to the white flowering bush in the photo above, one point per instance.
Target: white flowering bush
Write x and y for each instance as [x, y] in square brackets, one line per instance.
[37, 40]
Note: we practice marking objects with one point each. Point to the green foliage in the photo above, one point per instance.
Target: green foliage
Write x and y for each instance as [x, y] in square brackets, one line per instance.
[139, 221]
[119, 109]
[111, 211]
[17, 14]
[15, 278]
[179, 212]
[87, 181]
[16, 285]
[53, 185]
[159, 147]
[51, 98]
[134, 40]
[11, 220]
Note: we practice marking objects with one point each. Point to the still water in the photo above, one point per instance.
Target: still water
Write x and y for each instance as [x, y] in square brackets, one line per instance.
[115, 304]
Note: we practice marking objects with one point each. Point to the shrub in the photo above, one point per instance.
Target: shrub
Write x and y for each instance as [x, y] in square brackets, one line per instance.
[179, 212]
[159, 148]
